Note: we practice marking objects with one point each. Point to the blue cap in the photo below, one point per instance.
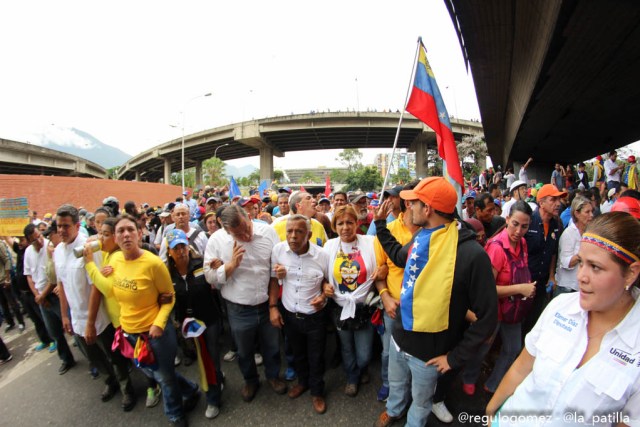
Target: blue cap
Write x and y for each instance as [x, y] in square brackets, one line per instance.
[175, 237]
[497, 202]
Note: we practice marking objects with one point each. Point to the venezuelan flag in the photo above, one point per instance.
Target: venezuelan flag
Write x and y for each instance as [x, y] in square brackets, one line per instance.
[425, 295]
[427, 105]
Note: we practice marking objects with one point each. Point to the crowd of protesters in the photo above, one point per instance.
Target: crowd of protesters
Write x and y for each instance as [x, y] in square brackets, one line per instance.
[153, 287]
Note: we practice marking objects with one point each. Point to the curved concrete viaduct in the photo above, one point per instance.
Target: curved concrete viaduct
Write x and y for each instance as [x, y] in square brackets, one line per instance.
[28, 159]
[276, 135]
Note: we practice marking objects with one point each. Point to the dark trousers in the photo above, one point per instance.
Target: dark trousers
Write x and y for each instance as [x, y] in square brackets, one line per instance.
[4, 351]
[9, 305]
[110, 363]
[251, 324]
[52, 318]
[33, 311]
[307, 335]
[539, 303]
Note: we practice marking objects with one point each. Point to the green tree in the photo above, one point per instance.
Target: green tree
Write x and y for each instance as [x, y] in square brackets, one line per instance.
[309, 176]
[189, 178]
[254, 177]
[214, 168]
[338, 176]
[402, 177]
[350, 157]
[366, 179]
[278, 175]
[473, 153]
[112, 173]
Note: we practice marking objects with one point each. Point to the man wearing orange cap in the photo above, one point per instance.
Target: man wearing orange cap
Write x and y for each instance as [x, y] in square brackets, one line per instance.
[446, 273]
[542, 239]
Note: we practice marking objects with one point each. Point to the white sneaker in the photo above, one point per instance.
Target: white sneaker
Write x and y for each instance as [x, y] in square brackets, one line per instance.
[230, 356]
[258, 358]
[441, 412]
[212, 411]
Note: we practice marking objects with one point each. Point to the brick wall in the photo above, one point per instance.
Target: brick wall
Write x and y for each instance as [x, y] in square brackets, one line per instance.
[45, 193]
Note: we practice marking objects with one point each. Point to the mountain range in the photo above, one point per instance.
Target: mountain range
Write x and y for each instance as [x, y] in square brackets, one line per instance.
[82, 144]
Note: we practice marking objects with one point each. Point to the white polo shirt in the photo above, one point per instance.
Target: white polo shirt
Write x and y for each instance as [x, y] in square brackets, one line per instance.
[77, 286]
[35, 263]
[610, 165]
[305, 275]
[608, 383]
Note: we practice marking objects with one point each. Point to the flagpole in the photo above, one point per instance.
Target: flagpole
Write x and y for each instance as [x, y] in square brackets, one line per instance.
[406, 99]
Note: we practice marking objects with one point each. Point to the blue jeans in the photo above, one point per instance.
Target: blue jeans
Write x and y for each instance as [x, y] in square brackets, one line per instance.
[511, 347]
[386, 340]
[407, 371]
[174, 386]
[356, 352]
[211, 335]
[248, 325]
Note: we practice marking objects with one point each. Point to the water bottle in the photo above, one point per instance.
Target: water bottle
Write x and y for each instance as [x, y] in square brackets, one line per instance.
[94, 246]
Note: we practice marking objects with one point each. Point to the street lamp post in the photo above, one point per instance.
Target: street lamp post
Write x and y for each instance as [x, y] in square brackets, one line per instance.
[215, 152]
[183, 123]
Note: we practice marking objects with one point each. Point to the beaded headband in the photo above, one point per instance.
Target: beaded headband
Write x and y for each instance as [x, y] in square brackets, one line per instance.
[611, 247]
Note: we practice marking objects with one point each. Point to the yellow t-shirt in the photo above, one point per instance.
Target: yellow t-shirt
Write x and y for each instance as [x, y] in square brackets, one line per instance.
[104, 285]
[318, 235]
[403, 236]
[136, 285]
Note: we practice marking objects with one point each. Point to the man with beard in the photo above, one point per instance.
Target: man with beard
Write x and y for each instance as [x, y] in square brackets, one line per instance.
[359, 203]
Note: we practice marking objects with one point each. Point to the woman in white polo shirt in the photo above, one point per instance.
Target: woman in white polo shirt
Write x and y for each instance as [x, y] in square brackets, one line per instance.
[581, 362]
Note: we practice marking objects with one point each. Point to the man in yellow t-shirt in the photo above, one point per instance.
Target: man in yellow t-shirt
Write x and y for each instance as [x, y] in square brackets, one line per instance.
[402, 229]
[302, 203]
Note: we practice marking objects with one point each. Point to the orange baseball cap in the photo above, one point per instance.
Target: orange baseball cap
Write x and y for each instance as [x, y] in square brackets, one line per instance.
[436, 192]
[549, 190]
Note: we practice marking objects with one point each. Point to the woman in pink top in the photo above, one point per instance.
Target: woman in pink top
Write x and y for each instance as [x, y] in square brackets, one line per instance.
[508, 253]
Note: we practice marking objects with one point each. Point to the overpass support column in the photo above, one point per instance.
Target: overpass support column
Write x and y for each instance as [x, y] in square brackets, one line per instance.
[266, 163]
[199, 173]
[137, 178]
[421, 159]
[167, 171]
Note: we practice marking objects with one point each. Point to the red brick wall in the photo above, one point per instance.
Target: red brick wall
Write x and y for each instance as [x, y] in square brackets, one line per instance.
[45, 193]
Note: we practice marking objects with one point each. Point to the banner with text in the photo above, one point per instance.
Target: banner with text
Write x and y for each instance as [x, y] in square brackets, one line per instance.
[14, 216]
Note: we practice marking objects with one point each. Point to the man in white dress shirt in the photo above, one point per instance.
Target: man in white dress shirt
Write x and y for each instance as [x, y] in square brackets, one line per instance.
[245, 247]
[301, 269]
[89, 321]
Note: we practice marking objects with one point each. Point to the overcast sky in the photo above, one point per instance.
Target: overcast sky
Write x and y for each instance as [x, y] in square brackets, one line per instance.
[123, 71]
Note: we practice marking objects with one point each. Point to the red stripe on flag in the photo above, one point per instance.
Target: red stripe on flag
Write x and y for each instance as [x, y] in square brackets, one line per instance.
[423, 106]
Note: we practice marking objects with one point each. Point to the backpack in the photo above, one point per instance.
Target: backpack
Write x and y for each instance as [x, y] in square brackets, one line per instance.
[515, 308]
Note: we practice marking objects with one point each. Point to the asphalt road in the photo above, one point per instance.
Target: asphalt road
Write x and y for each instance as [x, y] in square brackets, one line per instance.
[33, 394]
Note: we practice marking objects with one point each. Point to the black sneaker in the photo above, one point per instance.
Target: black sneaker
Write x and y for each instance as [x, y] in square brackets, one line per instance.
[65, 367]
[8, 359]
[9, 327]
[191, 402]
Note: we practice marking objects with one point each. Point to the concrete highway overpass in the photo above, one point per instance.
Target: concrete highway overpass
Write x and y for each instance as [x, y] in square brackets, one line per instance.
[556, 80]
[274, 136]
[28, 159]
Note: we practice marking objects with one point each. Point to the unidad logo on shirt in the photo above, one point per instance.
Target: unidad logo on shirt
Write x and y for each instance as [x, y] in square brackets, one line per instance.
[623, 357]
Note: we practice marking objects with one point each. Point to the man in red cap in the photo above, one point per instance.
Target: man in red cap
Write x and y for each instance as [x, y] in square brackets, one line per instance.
[446, 273]
[630, 175]
[542, 239]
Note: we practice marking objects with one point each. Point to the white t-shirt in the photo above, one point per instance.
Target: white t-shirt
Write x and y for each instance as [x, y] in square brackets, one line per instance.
[609, 165]
[608, 383]
[35, 263]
